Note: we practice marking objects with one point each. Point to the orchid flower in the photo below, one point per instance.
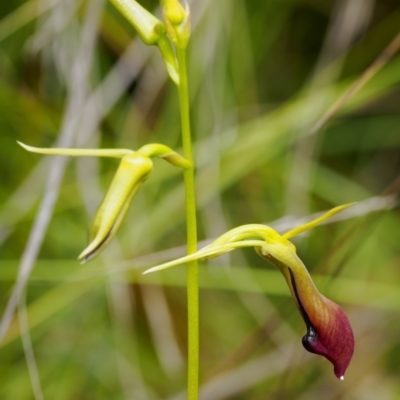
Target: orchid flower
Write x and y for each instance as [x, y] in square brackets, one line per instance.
[329, 333]
[133, 170]
[153, 31]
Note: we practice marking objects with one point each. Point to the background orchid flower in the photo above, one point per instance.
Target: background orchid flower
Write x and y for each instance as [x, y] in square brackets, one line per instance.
[151, 30]
[133, 170]
[329, 333]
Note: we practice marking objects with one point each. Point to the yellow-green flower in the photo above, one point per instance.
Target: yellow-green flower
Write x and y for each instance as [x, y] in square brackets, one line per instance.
[328, 329]
[151, 30]
[148, 27]
[133, 170]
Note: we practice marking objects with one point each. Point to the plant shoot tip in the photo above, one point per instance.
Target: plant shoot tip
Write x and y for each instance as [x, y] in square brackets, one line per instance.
[148, 271]
[25, 146]
[81, 260]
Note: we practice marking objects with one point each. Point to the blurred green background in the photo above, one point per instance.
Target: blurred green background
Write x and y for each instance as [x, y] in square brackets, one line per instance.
[262, 73]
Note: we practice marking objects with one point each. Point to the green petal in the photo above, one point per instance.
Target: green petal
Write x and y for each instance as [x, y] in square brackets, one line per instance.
[206, 252]
[317, 221]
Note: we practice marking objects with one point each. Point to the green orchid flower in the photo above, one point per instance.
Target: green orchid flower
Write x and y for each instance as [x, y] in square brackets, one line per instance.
[329, 333]
[151, 30]
[134, 168]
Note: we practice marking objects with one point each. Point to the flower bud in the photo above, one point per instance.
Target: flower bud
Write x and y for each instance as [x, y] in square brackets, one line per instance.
[177, 22]
[173, 11]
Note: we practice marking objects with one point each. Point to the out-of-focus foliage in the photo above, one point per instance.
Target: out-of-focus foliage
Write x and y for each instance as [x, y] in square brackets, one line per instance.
[261, 74]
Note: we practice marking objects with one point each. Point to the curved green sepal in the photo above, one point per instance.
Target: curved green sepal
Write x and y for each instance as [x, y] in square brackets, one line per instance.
[166, 153]
[250, 231]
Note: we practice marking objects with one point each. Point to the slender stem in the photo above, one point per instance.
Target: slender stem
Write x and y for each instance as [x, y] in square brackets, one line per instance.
[191, 226]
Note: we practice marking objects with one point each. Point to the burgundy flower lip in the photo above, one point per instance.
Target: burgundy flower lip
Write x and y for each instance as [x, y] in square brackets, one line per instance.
[333, 340]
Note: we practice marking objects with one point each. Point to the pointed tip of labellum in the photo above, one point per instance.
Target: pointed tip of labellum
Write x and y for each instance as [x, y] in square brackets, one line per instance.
[331, 336]
[97, 245]
[84, 257]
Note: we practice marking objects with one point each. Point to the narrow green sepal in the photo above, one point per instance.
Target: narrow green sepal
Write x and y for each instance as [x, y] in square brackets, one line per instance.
[312, 224]
[169, 58]
[206, 253]
[115, 153]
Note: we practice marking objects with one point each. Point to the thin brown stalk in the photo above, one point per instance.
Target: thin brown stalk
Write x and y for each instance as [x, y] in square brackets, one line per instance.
[372, 70]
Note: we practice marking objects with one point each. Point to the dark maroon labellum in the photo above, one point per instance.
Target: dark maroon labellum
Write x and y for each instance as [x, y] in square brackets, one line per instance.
[329, 333]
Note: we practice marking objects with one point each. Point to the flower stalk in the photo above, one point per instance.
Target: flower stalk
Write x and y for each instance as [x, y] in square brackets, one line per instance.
[191, 228]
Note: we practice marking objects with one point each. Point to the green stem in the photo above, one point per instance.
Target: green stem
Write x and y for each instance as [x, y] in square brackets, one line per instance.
[191, 226]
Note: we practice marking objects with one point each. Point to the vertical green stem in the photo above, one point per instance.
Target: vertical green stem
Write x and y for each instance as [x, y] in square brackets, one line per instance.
[191, 225]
